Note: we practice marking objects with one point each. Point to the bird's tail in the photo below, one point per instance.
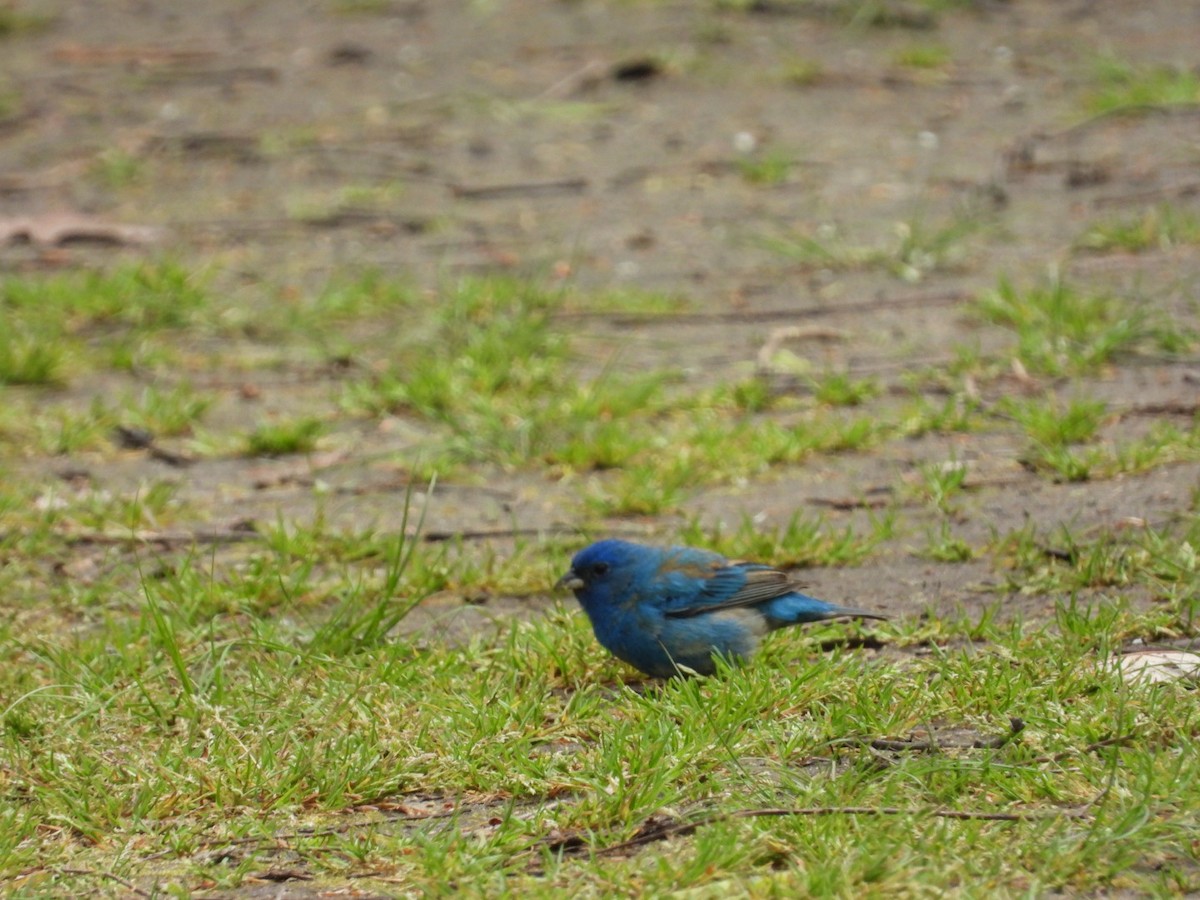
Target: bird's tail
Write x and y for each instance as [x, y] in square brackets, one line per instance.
[796, 608]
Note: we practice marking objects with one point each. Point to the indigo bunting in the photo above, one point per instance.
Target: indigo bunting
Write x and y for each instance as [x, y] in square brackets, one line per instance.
[667, 611]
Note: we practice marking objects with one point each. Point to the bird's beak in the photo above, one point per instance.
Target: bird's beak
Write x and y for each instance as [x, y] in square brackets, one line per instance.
[570, 581]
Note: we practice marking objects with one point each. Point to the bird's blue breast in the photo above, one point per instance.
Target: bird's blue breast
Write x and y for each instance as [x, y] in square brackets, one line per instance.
[661, 646]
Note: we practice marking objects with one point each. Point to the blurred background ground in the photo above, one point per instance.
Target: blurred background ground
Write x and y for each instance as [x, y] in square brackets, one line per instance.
[860, 172]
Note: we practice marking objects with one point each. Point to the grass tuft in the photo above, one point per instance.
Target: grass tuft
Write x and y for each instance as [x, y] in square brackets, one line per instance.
[24, 359]
[802, 542]
[918, 248]
[284, 437]
[1124, 86]
[1062, 329]
[1160, 228]
[769, 168]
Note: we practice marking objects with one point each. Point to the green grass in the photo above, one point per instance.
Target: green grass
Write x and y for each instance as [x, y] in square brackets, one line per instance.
[97, 320]
[771, 167]
[1160, 228]
[139, 296]
[917, 249]
[327, 317]
[316, 206]
[64, 431]
[1124, 86]
[17, 20]
[1051, 424]
[361, 7]
[942, 483]
[115, 168]
[943, 546]
[24, 359]
[699, 445]
[1161, 560]
[1061, 328]
[840, 389]
[165, 412]
[495, 369]
[920, 16]
[955, 414]
[803, 541]
[170, 747]
[37, 423]
[489, 352]
[923, 57]
[1056, 432]
[353, 706]
[283, 437]
[802, 72]
[1164, 444]
[11, 100]
[628, 300]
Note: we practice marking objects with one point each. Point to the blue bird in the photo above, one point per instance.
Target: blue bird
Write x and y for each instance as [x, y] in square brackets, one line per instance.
[668, 611]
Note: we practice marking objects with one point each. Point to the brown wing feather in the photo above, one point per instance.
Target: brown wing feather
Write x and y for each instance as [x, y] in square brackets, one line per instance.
[761, 585]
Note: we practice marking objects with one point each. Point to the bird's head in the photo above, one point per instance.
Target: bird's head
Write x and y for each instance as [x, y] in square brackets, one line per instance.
[601, 573]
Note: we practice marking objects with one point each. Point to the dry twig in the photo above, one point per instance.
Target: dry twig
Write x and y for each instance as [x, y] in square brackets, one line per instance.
[661, 832]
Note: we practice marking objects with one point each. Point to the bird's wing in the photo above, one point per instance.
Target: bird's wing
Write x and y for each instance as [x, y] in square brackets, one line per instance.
[731, 584]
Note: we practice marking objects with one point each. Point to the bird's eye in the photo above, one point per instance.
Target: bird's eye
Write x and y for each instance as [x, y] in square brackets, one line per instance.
[600, 568]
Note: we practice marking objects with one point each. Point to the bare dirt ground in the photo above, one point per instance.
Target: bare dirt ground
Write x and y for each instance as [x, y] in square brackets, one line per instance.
[283, 144]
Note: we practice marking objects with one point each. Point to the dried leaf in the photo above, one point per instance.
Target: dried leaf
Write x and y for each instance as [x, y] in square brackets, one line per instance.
[57, 229]
[1155, 665]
